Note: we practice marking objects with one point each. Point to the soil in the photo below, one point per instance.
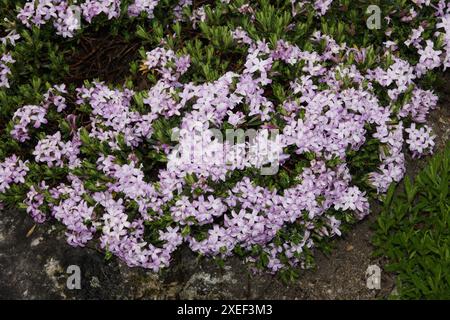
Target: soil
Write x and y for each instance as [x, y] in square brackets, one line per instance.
[34, 261]
[101, 56]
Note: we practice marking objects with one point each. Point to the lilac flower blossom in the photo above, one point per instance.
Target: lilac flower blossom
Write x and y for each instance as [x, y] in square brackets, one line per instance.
[54, 152]
[429, 58]
[6, 61]
[25, 116]
[12, 170]
[420, 140]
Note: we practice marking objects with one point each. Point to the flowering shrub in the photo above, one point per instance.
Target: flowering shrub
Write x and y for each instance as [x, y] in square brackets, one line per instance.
[329, 104]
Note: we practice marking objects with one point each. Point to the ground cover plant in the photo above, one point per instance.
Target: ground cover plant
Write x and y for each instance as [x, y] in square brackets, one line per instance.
[413, 232]
[111, 113]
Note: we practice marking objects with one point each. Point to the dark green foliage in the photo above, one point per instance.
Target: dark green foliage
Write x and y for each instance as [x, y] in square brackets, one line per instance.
[413, 232]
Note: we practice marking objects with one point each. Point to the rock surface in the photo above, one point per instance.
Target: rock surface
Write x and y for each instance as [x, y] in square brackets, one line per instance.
[36, 267]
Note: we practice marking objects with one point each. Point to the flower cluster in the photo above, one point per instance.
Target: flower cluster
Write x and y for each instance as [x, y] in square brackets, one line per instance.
[420, 141]
[64, 16]
[23, 117]
[12, 170]
[445, 24]
[320, 6]
[5, 61]
[93, 8]
[55, 152]
[111, 116]
[422, 101]
[144, 171]
[392, 167]
[34, 200]
[35, 115]
[74, 212]
[142, 6]
[201, 211]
